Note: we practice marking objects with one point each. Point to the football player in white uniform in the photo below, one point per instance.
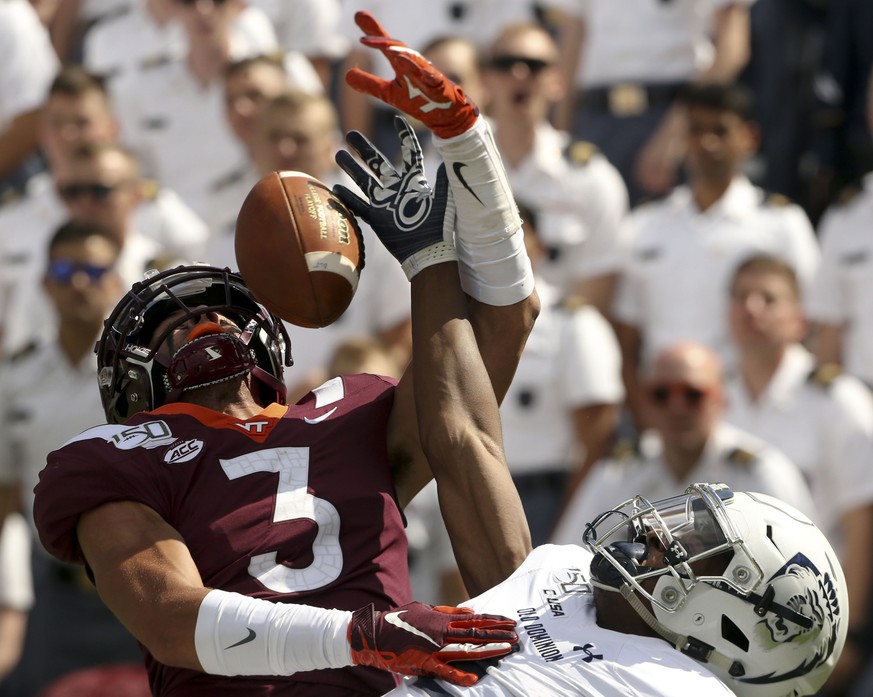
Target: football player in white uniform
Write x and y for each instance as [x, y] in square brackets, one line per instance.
[746, 591]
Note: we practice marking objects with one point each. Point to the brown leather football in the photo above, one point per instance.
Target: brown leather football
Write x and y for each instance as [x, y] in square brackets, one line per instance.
[298, 248]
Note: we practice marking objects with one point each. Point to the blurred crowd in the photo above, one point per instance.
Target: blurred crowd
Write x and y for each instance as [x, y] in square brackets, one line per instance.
[695, 181]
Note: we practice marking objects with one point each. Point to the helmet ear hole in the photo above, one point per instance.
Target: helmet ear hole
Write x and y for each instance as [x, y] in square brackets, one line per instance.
[732, 633]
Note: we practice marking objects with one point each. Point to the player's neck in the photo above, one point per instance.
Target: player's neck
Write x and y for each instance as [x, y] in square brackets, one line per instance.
[232, 397]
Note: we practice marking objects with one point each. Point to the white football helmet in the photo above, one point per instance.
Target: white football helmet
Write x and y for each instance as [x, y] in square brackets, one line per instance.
[742, 582]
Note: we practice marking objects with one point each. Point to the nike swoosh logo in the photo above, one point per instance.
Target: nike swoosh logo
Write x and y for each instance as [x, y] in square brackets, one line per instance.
[457, 167]
[394, 618]
[319, 419]
[250, 637]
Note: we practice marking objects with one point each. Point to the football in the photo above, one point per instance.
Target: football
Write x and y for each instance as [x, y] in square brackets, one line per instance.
[298, 248]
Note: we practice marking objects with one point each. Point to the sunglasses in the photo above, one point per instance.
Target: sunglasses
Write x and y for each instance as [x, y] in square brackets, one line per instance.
[662, 393]
[97, 191]
[506, 63]
[63, 270]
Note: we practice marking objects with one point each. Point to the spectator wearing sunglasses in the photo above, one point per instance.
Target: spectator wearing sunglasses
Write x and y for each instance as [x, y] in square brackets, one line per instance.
[817, 415]
[577, 195]
[47, 396]
[682, 390]
[99, 183]
[76, 112]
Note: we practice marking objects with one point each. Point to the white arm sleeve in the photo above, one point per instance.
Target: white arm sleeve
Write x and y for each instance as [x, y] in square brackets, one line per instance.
[239, 635]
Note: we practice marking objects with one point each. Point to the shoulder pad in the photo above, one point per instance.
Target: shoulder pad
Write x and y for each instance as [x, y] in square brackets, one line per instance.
[580, 152]
[110, 15]
[573, 302]
[23, 352]
[625, 448]
[149, 189]
[849, 194]
[741, 457]
[823, 374]
[777, 200]
[153, 62]
[233, 177]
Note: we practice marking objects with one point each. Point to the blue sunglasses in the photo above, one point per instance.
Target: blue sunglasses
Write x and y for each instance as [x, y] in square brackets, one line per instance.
[63, 270]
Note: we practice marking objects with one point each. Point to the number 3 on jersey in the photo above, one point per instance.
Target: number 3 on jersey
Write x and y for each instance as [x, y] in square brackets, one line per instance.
[293, 502]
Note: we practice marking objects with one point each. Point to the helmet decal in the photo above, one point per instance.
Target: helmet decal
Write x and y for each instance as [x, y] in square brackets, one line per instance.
[818, 601]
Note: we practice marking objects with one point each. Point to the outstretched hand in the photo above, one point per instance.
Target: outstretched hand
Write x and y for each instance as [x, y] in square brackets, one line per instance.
[419, 639]
[413, 221]
[418, 89]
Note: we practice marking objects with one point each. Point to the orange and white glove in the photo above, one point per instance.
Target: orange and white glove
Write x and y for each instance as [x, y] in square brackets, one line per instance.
[419, 639]
[418, 89]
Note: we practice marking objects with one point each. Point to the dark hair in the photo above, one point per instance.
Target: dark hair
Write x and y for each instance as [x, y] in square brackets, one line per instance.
[75, 230]
[766, 263]
[723, 96]
[74, 81]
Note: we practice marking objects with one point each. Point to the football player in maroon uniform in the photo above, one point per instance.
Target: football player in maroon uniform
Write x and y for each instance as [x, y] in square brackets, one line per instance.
[239, 538]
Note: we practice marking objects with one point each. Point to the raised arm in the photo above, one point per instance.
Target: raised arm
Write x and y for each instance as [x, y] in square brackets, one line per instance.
[494, 268]
[451, 401]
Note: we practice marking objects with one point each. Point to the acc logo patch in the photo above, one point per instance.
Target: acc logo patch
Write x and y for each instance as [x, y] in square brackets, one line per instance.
[151, 434]
[183, 451]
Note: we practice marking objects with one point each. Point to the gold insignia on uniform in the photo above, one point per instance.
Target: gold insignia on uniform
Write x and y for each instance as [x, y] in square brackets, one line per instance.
[778, 200]
[581, 152]
[155, 61]
[625, 448]
[148, 189]
[824, 374]
[23, 352]
[848, 194]
[742, 457]
[573, 302]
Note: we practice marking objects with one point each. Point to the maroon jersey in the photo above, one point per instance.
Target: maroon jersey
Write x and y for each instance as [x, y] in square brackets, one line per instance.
[296, 505]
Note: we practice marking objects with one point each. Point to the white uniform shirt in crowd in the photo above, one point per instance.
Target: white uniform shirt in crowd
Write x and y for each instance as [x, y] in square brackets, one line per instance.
[679, 261]
[26, 227]
[643, 41]
[563, 652]
[571, 360]
[28, 59]
[308, 26]
[580, 201]
[742, 461]
[130, 40]
[381, 301]
[177, 126]
[825, 428]
[843, 289]
[430, 549]
[44, 401]
[16, 581]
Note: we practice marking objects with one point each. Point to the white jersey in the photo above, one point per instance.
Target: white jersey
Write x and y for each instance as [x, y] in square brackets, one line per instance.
[823, 422]
[643, 40]
[843, 289]
[580, 201]
[739, 459]
[679, 261]
[562, 652]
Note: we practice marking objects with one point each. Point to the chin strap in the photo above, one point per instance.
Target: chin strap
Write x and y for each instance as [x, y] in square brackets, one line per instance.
[690, 646]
